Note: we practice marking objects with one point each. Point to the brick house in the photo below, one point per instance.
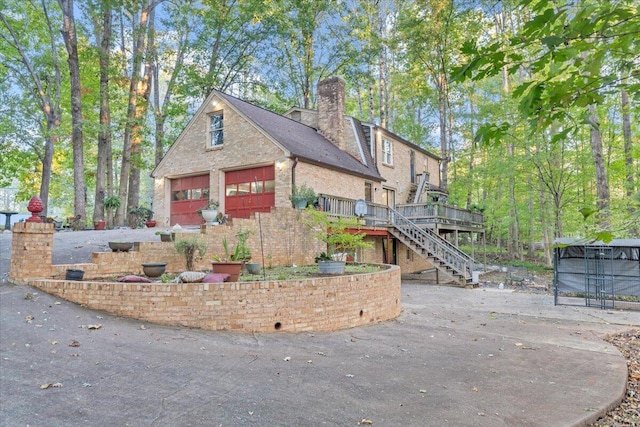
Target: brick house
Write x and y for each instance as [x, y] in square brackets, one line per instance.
[248, 159]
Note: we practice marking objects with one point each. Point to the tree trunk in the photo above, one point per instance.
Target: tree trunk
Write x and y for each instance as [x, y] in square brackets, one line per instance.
[602, 184]
[47, 161]
[442, 119]
[48, 99]
[628, 158]
[132, 109]
[71, 42]
[104, 135]
[143, 92]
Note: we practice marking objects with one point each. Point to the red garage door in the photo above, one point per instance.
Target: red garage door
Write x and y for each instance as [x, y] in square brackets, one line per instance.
[249, 190]
[187, 196]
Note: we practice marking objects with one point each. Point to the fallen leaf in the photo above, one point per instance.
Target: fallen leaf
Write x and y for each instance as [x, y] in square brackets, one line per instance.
[50, 385]
[287, 359]
[423, 390]
[28, 296]
[74, 343]
[54, 342]
[98, 326]
[350, 375]
[29, 318]
[475, 389]
[365, 421]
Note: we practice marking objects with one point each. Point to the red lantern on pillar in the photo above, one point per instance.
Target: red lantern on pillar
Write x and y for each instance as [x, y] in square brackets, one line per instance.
[35, 207]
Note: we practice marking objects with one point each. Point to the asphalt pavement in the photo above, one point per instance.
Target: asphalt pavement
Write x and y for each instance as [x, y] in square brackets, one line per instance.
[456, 357]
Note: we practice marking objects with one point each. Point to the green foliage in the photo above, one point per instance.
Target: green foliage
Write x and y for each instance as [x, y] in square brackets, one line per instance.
[190, 247]
[342, 235]
[112, 202]
[211, 205]
[302, 193]
[574, 53]
[140, 215]
[241, 252]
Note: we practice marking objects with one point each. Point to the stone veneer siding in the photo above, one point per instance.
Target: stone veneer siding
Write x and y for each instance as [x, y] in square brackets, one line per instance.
[319, 304]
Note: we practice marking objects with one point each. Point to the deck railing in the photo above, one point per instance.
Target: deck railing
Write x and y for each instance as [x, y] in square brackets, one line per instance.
[378, 214]
[437, 212]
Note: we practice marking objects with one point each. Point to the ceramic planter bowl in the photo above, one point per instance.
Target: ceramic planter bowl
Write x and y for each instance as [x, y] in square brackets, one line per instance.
[121, 246]
[154, 269]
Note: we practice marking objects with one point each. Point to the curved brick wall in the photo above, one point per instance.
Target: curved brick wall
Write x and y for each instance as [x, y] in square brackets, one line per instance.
[319, 304]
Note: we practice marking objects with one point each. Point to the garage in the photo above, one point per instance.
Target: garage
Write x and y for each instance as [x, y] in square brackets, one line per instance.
[249, 190]
[187, 196]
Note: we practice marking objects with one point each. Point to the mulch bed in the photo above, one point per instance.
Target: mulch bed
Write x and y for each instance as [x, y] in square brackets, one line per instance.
[627, 414]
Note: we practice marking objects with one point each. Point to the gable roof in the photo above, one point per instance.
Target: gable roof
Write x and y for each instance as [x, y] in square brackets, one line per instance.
[302, 141]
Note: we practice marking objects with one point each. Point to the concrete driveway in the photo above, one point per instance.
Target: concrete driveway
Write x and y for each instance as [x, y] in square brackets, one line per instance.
[458, 357]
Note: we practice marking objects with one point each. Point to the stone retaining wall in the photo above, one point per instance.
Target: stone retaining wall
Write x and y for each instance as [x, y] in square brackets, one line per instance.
[319, 304]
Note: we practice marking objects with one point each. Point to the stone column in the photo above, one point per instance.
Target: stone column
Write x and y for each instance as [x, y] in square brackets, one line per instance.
[31, 252]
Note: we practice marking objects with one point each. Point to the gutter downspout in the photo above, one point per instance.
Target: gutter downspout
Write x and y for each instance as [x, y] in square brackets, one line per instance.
[293, 172]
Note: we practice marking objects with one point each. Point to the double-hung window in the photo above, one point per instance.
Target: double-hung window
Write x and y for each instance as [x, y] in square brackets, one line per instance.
[216, 130]
[387, 152]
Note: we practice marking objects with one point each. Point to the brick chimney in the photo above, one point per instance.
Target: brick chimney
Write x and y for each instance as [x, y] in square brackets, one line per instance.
[330, 97]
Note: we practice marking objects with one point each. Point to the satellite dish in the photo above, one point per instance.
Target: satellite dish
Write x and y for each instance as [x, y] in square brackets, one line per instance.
[360, 207]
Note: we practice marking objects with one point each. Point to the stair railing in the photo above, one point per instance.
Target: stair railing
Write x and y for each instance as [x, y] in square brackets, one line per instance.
[435, 245]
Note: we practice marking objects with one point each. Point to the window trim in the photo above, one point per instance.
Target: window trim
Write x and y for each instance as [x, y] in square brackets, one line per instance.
[387, 153]
[212, 131]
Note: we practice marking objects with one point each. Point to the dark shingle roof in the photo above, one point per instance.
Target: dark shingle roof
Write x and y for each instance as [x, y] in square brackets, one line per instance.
[302, 141]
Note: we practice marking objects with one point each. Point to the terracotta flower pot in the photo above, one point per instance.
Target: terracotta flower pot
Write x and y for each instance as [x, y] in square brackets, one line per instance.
[232, 268]
[99, 225]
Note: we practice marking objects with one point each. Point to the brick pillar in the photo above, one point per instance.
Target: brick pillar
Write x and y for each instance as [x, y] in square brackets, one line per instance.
[31, 252]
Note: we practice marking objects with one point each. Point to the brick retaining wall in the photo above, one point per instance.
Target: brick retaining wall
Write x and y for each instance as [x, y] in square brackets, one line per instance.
[322, 304]
[319, 304]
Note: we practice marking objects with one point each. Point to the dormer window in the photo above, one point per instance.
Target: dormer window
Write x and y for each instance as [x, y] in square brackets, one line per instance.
[216, 130]
[387, 152]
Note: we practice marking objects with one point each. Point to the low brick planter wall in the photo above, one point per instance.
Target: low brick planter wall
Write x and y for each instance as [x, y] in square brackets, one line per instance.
[318, 304]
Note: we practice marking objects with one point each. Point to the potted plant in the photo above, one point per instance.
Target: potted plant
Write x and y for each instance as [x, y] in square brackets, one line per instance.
[233, 260]
[191, 247]
[141, 216]
[302, 196]
[209, 212]
[342, 236]
[165, 236]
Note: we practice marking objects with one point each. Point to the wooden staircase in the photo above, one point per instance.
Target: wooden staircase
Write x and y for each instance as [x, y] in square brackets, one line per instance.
[416, 191]
[444, 256]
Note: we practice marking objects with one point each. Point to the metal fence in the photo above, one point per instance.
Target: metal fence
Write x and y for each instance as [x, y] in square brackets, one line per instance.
[606, 277]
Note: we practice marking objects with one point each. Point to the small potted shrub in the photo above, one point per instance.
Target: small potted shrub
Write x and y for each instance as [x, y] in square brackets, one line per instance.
[209, 212]
[342, 237]
[141, 216]
[165, 236]
[302, 196]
